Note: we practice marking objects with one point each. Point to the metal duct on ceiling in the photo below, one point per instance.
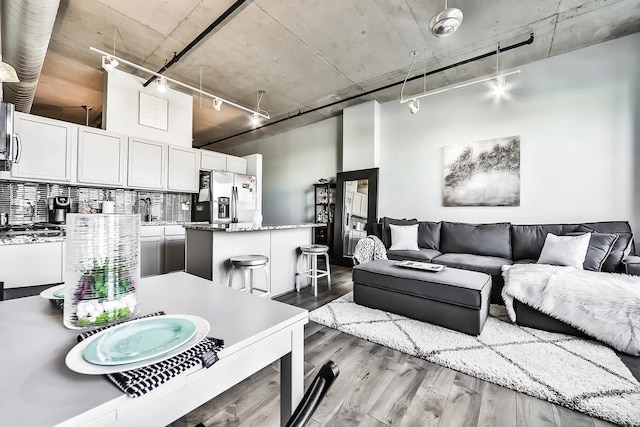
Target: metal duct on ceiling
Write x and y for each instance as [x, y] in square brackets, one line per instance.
[26, 29]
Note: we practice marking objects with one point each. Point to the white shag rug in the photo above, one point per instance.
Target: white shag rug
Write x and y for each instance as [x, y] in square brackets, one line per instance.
[569, 371]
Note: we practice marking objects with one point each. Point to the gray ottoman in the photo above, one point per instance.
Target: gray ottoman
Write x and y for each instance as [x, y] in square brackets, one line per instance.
[453, 298]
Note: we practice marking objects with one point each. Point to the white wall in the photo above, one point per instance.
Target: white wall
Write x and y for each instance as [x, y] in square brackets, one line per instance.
[577, 115]
[292, 162]
[361, 137]
[120, 110]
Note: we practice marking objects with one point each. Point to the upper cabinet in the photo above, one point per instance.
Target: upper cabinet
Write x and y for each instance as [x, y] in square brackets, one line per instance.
[236, 164]
[222, 162]
[45, 151]
[147, 164]
[101, 157]
[212, 161]
[184, 166]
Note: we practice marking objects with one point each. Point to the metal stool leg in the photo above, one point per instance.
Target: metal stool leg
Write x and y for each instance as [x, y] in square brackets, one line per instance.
[326, 258]
[267, 281]
[298, 271]
[246, 278]
[231, 276]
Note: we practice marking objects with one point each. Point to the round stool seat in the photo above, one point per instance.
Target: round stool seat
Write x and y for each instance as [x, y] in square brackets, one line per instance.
[314, 249]
[249, 260]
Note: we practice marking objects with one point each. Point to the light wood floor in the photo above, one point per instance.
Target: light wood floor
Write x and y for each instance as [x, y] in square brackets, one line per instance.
[379, 387]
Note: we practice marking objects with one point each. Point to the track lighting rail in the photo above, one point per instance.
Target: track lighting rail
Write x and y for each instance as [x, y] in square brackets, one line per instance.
[261, 113]
[369, 92]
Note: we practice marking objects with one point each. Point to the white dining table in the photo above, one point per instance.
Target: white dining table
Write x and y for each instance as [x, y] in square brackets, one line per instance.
[38, 389]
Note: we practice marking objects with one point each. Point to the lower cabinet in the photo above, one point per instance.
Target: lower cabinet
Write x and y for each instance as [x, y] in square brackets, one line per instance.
[173, 254]
[161, 249]
[31, 264]
[151, 256]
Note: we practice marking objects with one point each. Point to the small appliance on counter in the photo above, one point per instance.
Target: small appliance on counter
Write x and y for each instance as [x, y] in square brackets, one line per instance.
[58, 209]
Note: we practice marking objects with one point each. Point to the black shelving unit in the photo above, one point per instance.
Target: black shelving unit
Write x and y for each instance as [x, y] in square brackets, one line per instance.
[324, 196]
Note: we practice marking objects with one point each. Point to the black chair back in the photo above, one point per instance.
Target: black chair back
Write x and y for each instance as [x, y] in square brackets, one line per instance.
[314, 395]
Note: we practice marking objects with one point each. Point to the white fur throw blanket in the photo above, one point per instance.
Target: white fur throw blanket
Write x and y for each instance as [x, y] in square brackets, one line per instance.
[605, 306]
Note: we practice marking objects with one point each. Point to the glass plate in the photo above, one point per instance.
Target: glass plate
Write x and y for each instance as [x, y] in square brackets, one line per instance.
[53, 292]
[76, 362]
[139, 340]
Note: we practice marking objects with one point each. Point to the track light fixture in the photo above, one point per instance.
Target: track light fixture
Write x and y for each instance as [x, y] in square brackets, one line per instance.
[414, 106]
[256, 115]
[107, 56]
[109, 63]
[217, 104]
[161, 84]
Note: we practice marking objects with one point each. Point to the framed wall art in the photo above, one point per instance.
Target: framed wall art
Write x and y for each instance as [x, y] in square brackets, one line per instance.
[483, 173]
[153, 111]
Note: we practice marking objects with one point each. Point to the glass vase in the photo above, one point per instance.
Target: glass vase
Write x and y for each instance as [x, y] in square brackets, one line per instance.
[102, 269]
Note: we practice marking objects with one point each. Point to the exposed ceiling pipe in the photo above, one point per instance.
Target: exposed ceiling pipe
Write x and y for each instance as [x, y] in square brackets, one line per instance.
[369, 92]
[26, 29]
[198, 39]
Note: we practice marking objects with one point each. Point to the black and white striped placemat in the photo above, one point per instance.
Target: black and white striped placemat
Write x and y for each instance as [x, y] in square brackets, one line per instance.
[137, 382]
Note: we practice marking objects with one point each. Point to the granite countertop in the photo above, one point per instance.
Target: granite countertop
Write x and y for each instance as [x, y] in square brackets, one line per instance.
[26, 239]
[229, 228]
[144, 223]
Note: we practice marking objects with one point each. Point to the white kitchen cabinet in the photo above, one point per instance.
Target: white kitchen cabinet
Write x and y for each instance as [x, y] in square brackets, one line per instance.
[357, 204]
[212, 161]
[101, 157]
[31, 264]
[183, 169]
[222, 162]
[236, 164]
[147, 167]
[46, 151]
[364, 206]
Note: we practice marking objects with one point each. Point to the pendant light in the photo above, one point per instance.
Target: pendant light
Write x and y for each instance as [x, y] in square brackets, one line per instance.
[500, 85]
[161, 84]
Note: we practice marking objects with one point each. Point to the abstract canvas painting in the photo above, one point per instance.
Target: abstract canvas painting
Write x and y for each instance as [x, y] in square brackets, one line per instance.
[483, 173]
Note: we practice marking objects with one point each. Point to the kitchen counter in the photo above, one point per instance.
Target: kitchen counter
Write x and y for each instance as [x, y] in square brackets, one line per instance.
[26, 239]
[230, 228]
[209, 247]
[147, 223]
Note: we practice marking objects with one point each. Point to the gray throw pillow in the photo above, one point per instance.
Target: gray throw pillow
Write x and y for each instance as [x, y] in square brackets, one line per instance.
[600, 246]
[429, 235]
[386, 231]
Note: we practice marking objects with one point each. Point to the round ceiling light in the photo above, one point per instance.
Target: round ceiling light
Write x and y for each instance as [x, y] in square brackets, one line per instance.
[446, 22]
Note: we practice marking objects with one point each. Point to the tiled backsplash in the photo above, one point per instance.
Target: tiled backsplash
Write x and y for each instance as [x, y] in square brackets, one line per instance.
[27, 202]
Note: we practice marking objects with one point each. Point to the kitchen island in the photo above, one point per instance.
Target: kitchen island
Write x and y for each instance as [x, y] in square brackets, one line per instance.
[209, 247]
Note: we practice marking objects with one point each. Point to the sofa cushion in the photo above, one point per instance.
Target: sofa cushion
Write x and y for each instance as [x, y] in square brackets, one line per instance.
[525, 261]
[386, 231]
[423, 255]
[484, 264]
[599, 249]
[429, 234]
[527, 240]
[404, 237]
[478, 239]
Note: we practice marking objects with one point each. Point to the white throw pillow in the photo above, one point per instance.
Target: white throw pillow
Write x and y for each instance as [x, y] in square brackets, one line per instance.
[404, 237]
[565, 250]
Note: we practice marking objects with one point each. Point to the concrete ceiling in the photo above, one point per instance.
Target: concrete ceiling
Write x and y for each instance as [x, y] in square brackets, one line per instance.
[304, 53]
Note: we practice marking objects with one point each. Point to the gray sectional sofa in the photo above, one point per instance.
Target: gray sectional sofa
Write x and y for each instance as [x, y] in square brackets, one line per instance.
[487, 247]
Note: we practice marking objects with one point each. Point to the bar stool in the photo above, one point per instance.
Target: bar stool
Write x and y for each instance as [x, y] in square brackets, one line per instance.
[247, 264]
[311, 253]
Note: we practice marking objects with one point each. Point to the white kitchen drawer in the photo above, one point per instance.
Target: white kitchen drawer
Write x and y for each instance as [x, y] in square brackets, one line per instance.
[152, 231]
[174, 230]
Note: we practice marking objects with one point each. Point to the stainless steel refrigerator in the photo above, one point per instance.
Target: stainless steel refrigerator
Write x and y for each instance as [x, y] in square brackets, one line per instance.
[232, 197]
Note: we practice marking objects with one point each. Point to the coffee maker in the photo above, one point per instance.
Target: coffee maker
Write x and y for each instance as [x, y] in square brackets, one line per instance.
[58, 208]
